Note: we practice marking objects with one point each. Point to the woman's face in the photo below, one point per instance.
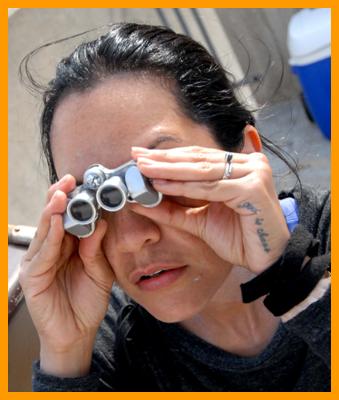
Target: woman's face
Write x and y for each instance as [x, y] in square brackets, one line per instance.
[100, 126]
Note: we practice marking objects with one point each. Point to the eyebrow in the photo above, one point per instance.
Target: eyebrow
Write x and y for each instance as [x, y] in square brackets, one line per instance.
[152, 145]
[162, 139]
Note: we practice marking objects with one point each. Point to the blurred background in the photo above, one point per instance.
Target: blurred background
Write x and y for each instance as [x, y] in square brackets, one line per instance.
[275, 55]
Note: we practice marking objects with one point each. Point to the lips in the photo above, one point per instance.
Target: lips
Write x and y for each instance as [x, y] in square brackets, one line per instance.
[152, 271]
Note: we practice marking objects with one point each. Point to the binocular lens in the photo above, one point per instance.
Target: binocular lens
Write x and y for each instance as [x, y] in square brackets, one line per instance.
[111, 197]
[81, 210]
[112, 194]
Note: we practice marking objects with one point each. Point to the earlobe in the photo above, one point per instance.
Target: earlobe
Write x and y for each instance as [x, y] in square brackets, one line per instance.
[252, 141]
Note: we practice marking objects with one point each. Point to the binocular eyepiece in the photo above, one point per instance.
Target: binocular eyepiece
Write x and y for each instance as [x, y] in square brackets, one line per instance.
[108, 189]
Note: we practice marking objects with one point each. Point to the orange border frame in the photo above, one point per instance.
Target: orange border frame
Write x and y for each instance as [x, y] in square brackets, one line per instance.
[4, 394]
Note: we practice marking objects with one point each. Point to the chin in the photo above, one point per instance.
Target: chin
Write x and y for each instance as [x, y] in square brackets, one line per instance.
[172, 314]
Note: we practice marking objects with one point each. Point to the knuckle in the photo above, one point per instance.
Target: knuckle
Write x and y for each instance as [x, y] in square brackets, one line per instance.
[24, 271]
[253, 184]
[199, 157]
[197, 149]
[259, 157]
[263, 168]
[264, 173]
[205, 167]
[209, 186]
[88, 259]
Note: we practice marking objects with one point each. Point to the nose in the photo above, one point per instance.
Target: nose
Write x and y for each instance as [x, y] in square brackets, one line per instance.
[132, 232]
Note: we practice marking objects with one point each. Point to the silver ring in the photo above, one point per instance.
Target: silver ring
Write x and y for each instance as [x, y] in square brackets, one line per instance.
[228, 165]
[228, 157]
[228, 171]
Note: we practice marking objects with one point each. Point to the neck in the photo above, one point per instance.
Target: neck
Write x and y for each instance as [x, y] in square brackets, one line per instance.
[226, 322]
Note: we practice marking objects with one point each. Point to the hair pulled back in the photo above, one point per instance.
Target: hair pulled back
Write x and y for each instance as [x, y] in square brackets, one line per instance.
[203, 89]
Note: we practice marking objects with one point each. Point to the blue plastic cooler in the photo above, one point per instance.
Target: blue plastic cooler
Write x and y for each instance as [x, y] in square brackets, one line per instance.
[309, 43]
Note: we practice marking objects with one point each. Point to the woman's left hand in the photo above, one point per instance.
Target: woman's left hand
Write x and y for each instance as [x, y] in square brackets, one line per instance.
[240, 218]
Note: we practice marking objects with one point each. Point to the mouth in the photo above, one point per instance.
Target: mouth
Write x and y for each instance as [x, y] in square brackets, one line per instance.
[157, 277]
[156, 274]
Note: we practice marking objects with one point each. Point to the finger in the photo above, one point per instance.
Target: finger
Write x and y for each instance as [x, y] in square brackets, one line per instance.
[68, 247]
[49, 253]
[188, 154]
[187, 171]
[93, 257]
[57, 205]
[65, 184]
[218, 190]
[247, 195]
[169, 213]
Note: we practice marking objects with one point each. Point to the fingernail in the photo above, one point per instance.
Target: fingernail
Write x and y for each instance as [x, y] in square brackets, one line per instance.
[55, 194]
[64, 178]
[58, 193]
[142, 160]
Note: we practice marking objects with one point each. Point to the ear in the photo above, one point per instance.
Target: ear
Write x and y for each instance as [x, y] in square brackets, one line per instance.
[252, 141]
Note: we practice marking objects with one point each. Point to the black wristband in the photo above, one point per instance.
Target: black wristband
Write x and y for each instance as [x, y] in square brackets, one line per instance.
[288, 294]
[287, 267]
[288, 282]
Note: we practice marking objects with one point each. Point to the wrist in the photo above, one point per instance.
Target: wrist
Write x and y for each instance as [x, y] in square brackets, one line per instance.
[274, 256]
[290, 279]
[71, 362]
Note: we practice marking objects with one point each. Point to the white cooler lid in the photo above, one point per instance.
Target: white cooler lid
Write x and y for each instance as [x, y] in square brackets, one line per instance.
[309, 35]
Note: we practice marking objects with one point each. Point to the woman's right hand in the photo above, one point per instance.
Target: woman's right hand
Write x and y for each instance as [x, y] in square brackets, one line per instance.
[67, 284]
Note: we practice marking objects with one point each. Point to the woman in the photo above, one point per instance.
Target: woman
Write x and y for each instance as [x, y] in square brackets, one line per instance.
[211, 289]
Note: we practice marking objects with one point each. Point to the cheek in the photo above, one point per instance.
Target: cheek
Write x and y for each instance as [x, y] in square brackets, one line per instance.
[109, 245]
[121, 262]
[186, 300]
[205, 275]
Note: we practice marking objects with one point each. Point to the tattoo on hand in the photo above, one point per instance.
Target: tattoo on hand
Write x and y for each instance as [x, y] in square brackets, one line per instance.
[262, 235]
[248, 206]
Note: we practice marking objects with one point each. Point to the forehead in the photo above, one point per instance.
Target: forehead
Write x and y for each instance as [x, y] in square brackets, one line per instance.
[101, 124]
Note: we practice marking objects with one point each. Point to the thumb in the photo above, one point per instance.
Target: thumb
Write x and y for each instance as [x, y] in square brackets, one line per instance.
[189, 219]
[93, 257]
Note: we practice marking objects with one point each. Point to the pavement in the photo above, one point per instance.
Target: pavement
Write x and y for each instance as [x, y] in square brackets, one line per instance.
[287, 125]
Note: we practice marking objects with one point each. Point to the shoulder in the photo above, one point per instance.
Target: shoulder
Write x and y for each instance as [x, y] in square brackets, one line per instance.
[314, 210]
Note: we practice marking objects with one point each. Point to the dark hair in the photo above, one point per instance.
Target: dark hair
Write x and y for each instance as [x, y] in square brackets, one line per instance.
[202, 87]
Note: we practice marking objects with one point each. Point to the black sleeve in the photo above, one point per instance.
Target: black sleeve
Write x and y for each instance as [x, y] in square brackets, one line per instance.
[103, 368]
[315, 214]
[313, 325]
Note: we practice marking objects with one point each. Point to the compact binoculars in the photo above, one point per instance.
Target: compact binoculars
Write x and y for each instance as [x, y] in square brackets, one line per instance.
[108, 189]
